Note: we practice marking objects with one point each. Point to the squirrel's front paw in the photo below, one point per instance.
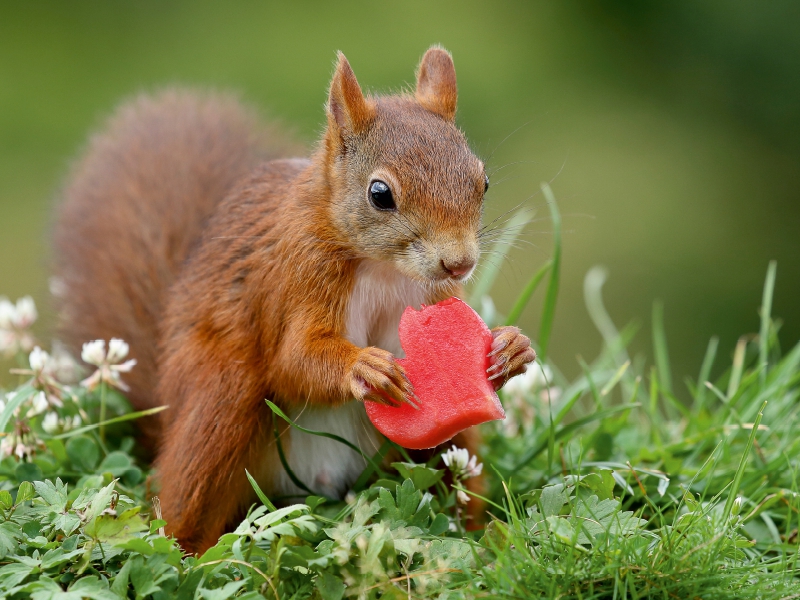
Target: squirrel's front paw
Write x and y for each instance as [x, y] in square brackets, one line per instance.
[378, 377]
[510, 354]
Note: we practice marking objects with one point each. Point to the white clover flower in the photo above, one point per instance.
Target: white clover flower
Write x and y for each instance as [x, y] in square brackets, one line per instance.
[125, 367]
[14, 323]
[38, 360]
[456, 459]
[50, 423]
[39, 404]
[117, 350]
[524, 394]
[20, 442]
[474, 468]
[94, 352]
[461, 464]
[7, 446]
[462, 497]
[21, 450]
[108, 365]
[43, 380]
[534, 378]
[26, 313]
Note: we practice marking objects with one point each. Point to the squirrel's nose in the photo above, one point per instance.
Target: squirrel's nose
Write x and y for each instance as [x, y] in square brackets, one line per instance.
[458, 268]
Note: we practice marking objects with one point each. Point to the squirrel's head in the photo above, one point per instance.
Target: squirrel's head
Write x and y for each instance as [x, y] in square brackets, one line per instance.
[404, 185]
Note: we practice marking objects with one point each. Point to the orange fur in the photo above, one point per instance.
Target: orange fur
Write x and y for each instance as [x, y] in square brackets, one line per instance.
[169, 233]
[436, 83]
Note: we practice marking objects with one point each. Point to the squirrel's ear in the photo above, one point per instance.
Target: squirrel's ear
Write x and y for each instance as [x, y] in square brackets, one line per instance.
[347, 106]
[436, 83]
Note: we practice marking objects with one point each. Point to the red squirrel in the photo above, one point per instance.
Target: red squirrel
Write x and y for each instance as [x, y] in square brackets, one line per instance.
[238, 276]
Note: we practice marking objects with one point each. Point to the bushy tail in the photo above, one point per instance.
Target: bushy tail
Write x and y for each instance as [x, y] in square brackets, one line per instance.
[133, 207]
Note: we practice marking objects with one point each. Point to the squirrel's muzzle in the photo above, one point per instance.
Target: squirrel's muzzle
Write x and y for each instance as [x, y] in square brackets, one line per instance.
[459, 268]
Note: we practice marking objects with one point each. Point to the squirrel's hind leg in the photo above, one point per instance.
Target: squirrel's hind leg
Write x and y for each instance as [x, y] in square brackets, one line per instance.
[207, 447]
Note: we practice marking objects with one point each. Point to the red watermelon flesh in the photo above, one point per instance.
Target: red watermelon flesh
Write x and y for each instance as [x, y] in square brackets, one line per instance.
[446, 348]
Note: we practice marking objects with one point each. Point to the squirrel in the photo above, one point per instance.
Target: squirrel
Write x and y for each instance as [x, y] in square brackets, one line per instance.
[239, 275]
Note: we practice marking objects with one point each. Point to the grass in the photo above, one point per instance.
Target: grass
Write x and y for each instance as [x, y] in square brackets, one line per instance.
[621, 484]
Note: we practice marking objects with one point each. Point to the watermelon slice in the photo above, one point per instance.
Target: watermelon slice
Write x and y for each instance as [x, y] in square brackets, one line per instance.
[446, 348]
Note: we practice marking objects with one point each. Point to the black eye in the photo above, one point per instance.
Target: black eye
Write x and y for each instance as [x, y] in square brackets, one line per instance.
[485, 183]
[381, 196]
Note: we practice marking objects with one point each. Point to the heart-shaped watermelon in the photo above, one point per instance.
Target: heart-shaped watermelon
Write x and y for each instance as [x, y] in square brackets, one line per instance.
[446, 348]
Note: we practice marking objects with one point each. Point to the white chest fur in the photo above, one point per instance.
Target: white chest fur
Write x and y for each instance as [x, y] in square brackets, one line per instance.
[380, 295]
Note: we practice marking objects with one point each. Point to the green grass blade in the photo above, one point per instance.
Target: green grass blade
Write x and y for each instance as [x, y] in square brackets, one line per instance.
[549, 309]
[568, 406]
[660, 348]
[512, 505]
[676, 404]
[615, 379]
[568, 429]
[652, 408]
[331, 436]
[551, 436]
[522, 299]
[766, 311]
[636, 383]
[361, 482]
[21, 395]
[705, 373]
[737, 480]
[491, 270]
[737, 368]
[717, 392]
[261, 495]
[122, 419]
[587, 373]
[286, 467]
[593, 298]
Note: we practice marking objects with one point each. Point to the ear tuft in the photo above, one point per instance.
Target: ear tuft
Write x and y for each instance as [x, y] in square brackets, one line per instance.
[347, 106]
[436, 83]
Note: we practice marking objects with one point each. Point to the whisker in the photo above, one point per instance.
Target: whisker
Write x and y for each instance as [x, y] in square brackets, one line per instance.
[503, 141]
[404, 222]
[504, 179]
[505, 214]
[513, 164]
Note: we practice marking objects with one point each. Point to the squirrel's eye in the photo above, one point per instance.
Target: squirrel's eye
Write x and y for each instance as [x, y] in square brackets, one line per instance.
[485, 183]
[381, 196]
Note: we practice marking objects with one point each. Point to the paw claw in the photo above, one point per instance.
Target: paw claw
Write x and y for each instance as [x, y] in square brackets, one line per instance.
[498, 347]
[377, 377]
[510, 353]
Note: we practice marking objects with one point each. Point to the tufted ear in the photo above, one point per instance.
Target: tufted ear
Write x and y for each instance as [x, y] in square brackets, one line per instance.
[347, 107]
[436, 83]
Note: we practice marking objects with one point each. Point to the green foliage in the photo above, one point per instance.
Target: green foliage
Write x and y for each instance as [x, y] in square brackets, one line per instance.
[610, 486]
[97, 542]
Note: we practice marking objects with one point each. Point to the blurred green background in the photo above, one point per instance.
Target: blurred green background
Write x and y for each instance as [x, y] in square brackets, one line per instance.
[669, 130]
